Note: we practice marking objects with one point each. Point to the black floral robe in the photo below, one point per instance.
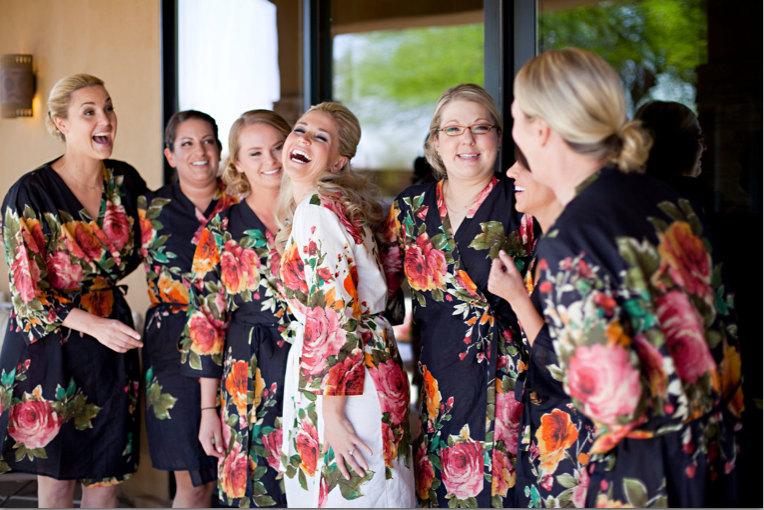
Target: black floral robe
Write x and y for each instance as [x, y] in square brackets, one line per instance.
[645, 341]
[170, 228]
[234, 332]
[471, 352]
[69, 403]
[555, 438]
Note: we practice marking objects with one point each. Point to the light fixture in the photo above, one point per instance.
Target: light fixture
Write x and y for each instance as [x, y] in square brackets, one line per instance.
[17, 85]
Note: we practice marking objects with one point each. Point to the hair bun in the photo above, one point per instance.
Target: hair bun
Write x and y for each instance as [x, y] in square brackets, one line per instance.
[632, 148]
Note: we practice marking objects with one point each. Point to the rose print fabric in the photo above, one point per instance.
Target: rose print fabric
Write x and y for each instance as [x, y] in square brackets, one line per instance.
[234, 332]
[471, 354]
[68, 403]
[342, 346]
[555, 438]
[170, 229]
[644, 336]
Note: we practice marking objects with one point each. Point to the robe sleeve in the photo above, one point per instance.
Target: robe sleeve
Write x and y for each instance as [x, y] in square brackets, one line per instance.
[332, 360]
[39, 309]
[392, 256]
[203, 340]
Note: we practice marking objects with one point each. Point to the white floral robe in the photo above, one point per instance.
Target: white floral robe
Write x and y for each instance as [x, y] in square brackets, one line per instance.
[342, 346]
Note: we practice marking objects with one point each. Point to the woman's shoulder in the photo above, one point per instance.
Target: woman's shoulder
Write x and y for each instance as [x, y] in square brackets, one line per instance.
[30, 185]
[130, 176]
[318, 211]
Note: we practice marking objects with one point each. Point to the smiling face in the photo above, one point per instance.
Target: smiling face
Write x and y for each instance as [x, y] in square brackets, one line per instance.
[259, 156]
[312, 149]
[90, 126]
[531, 197]
[195, 154]
[467, 156]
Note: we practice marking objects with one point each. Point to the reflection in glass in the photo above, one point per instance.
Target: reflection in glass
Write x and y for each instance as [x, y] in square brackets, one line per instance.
[655, 45]
[391, 79]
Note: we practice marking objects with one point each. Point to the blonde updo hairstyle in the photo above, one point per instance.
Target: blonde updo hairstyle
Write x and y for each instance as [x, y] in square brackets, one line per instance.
[357, 195]
[464, 92]
[237, 181]
[581, 98]
[60, 98]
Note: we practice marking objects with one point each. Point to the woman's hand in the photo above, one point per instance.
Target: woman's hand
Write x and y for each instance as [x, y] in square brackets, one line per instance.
[115, 335]
[504, 280]
[340, 436]
[211, 432]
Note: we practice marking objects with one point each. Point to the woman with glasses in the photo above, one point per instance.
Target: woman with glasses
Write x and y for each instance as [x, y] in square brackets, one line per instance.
[440, 239]
[642, 326]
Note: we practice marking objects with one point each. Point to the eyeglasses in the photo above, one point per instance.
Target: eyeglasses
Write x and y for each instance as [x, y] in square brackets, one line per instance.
[477, 129]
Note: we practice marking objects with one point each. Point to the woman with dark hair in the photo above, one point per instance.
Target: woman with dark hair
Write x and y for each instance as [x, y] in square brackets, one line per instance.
[172, 220]
[69, 372]
[643, 329]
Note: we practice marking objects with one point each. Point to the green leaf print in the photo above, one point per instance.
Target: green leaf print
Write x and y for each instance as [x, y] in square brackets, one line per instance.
[160, 403]
[636, 492]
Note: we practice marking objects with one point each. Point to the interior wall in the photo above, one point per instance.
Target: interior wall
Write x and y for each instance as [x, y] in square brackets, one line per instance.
[118, 41]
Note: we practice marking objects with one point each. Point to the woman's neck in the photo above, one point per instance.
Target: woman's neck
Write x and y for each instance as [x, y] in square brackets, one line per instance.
[84, 171]
[263, 203]
[547, 216]
[574, 169]
[300, 191]
[201, 195]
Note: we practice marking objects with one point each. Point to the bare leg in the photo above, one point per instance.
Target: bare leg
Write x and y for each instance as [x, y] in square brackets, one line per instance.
[99, 497]
[52, 493]
[188, 496]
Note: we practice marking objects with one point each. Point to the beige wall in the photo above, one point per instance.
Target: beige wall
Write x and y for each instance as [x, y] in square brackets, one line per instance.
[118, 41]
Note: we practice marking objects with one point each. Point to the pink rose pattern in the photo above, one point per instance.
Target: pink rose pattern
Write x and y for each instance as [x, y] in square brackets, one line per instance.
[451, 303]
[463, 469]
[341, 340]
[252, 392]
[628, 355]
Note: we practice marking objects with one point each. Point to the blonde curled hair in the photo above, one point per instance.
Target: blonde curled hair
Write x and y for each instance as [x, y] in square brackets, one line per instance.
[236, 181]
[581, 98]
[357, 195]
[463, 92]
[60, 98]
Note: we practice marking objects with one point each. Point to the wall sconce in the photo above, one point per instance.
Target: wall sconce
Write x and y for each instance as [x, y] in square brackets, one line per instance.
[17, 84]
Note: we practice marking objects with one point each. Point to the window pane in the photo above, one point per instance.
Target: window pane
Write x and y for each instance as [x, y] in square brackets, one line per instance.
[656, 46]
[227, 58]
[391, 80]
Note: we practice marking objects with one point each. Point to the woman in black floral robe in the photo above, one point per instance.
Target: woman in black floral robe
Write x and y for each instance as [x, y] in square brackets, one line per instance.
[172, 219]
[233, 340]
[642, 327]
[69, 371]
[441, 238]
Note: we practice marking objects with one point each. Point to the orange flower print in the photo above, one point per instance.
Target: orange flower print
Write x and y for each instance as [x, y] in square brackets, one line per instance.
[172, 291]
[147, 230]
[685, 259]
[259, 387]
[556, 434]
[31, 230]
[206, 255]
[307, 447]
[99, 300]
[293, 270]
[425, 266]
[432, 393]
[240, 268]
[466, 282]
[732, 391]
[236, 385]
[503, 473]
